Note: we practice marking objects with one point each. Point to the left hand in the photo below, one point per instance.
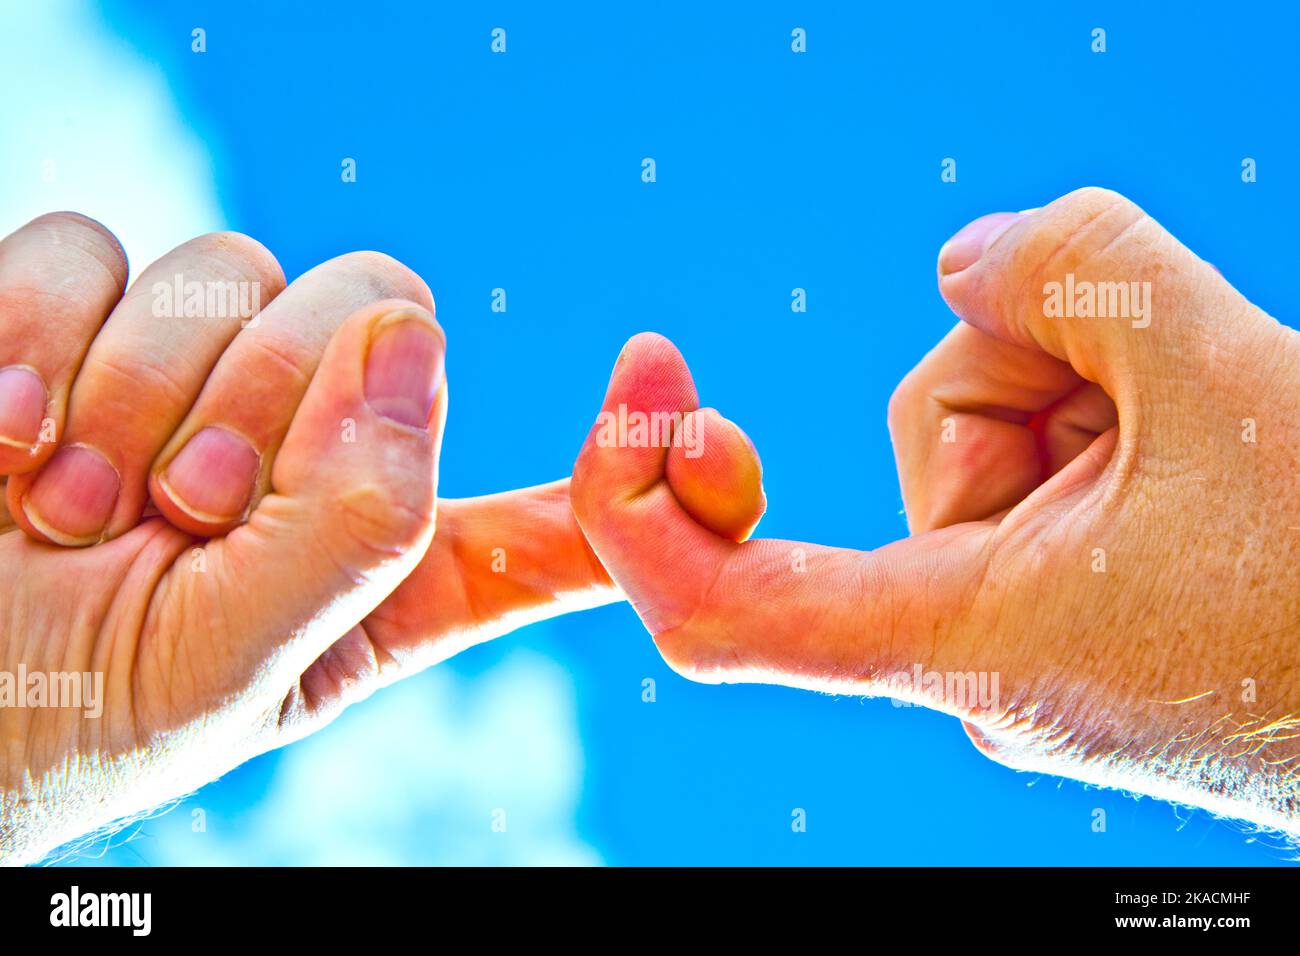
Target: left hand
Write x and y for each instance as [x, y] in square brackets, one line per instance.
[293, 454]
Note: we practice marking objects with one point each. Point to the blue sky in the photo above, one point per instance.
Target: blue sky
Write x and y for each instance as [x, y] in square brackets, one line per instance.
[774, 171]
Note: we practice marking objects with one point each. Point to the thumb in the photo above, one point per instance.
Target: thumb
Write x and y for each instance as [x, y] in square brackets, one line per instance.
[765, 610]
[352, 505]
[1094, 281]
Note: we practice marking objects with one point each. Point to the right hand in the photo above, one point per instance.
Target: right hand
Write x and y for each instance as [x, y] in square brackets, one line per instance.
[1113, 530]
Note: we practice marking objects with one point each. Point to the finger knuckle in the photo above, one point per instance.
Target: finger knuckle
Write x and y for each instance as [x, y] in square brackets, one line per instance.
[237, 256]
[89, 235]
[150, 381]
[698, 654]
[1066, 236]
[591, 497]
[1077, 226]
[280, 357]
[1094, 199]
[75, 222]
[387, 518]
[901, 402]
[385, 277]
[674, 652]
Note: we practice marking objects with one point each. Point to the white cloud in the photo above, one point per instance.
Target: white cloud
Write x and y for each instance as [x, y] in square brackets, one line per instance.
[413, 776]
[95, 129]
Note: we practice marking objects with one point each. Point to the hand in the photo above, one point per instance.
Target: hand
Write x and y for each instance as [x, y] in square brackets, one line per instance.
[302, 440]
[1104, 576]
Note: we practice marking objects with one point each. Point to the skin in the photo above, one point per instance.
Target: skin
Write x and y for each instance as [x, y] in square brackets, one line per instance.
[1026, 448]
[240, 601]
[1105, 516]
[229, 636]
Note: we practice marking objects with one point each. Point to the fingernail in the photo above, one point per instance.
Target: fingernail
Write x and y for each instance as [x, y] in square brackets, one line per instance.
[73, 497]
[211, 478]
[404, 370]
[22, 406]
[964, 249]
